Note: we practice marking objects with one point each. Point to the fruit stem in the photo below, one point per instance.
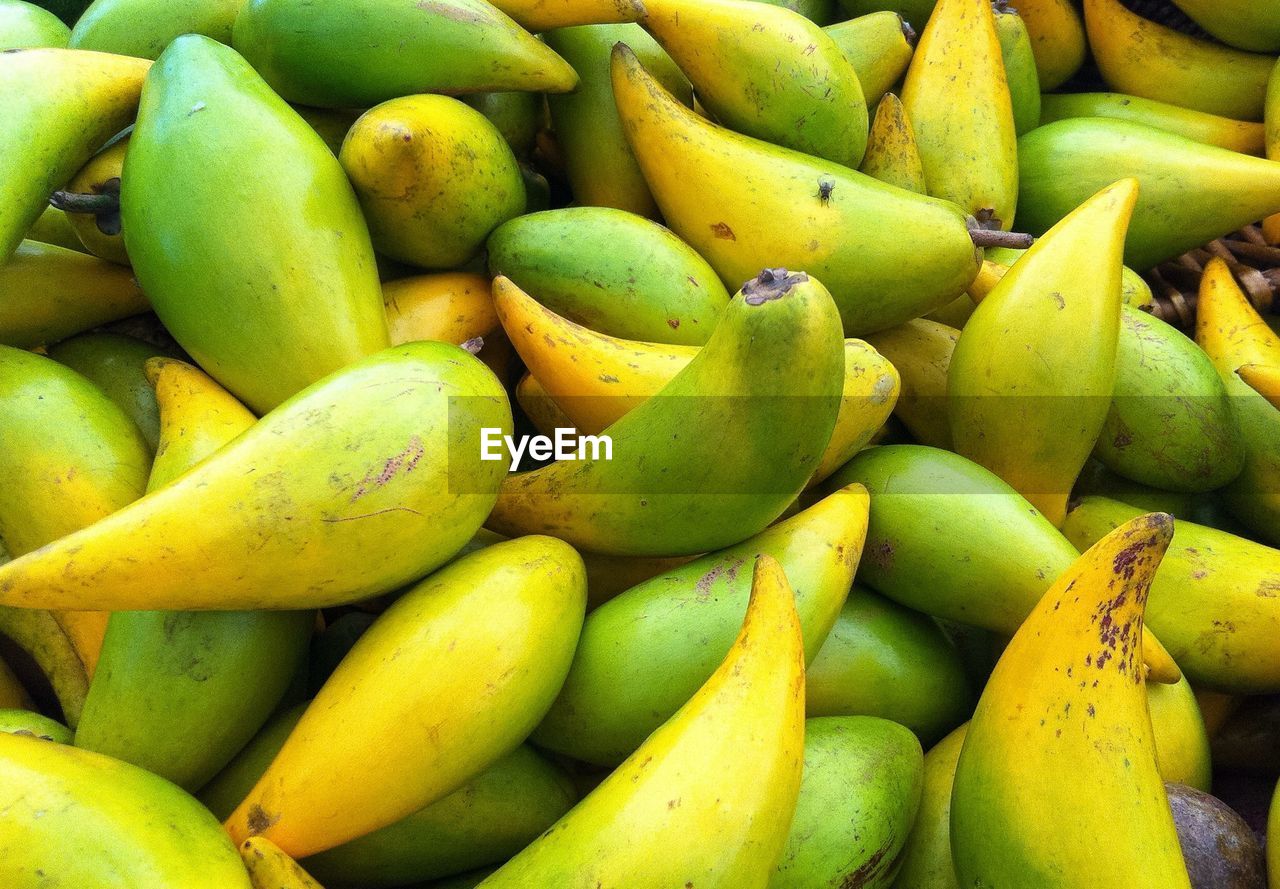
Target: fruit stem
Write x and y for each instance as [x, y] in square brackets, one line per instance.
[97, 204]
[983, 237]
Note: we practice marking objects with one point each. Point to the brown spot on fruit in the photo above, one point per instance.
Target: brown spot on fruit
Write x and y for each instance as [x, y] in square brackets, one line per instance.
[258, 819]
[723, 232]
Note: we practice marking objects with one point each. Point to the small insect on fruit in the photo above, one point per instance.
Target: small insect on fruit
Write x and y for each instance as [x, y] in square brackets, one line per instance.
[826, 185]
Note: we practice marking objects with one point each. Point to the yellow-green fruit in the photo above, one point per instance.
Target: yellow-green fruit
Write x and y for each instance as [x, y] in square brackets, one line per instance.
[926, 856]
[434, 177]
[270, 868]
[116, 363]
[1068, 699]
[27, 26]
[879, 46]
[75, 818]
[957, 97]
[54, 228]
[517, 116]
[144, 28]
[709, 797]
[858, 799]
[403, 485]
[544, 15]
[1182, 742]
[1019, 403]
[1245, 24]
[598, 162]
[25, 722]
[921, 351]
[61, 105]
[661, 639]
[1243, 136]
[819, 12]
[51, 293]
[234, 302]
[1019, 67]
[357, 53]
[471, 658]
[1057, 39]
[892, 155]
[881, 659]
[13, 696]
[1273, 840]
[100, 234]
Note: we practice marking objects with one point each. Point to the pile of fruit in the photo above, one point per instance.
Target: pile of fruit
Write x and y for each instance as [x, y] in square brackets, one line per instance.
[639, 444]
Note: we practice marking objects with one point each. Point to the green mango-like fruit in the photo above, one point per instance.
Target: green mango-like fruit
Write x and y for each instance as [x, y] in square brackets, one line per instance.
[612, 271]
[115, 363]
[879, 45]
[357, 53]
[27, 722]
[261, 266]
[28, 26]
[1019, 67]
[143, 28]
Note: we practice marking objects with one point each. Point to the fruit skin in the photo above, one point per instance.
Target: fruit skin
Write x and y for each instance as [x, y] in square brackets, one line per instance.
[1214, 601]
[116, 363]
[52, 293]
[730, 759]
[357, 53]
[394, 501]
[598, 162]
[957, 96]
[83, 819]
[94, 178]
[1020, 68]
[186, 236]
[663, 638]
[1143, 58]
[27, 26]
[924, 554]
[1190, 193]
[597, 379]
[879, 46]
[270, 868]
[769, 380]
[450, 307]
[743, 204]
[197, 417]
[1020, 815]
[820, 12]
[1233, 334]
[434, 178]
[1181, 739]
[611, 271]
[1170, 424]
[25, 722]
[926, 856]
[862, 780]
[892, 155]
[1057, 39]
[52, 227]
[1263, 379]
[61, 105]
[544, 15]
[1011, 386]
[144, 28]
[921, 351]
[518, 116]
[767, 72]
[1243, 136]
[881, 659]
[479, 651]
[1218, 845]
[13, 696]
[1245, 24]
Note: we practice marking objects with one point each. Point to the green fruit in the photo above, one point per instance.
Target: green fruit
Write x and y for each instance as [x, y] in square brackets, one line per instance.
[25, 722]
[228, 265]
[612, 271]
[819, 12]
[221, 795]
[879, 46]
[516, 115]
[1019, 68]
[24, 25]
[926, 857]
[144, 28]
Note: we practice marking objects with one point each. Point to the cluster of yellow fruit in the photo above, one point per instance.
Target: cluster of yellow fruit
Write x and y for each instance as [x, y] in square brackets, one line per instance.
[275, 308]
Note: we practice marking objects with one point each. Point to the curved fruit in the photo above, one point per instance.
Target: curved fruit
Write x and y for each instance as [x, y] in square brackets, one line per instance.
[100, 233]
[383, 491]
[1143, 58]
[1243, 136]
[116, 363]
[598, 162]
[926, 855]
[197, 417]
[957, 97]
[1245, 24]
[986, 566]
[858, 799]
[597, 379]
[647, 650]
[449, 307]
[1182, 742]
[357, 53]
[1190, 193]
[27, 26]
[1215, 601]
[1170, 423]
[670, 489]
[1019, 67]
[921, 351]
[83, 819]
[767, 72]
[1057, 39]
[881, 659]
[892, 155]
[270, 868]
[1134, 291]
[1011, 387]
[144, 28]
[1067, 698]
[471, 656]
[1263, 379]
[743, 204]
[708, 798]
[61, 105]
[518, 117]
[51, 293]
[433, 176]
[612, 271]
[879, 46]
[53, 228]
[318, 264]
[1232, 334]
[25, 722]
[543, 15]
[48, 658]
[540, 408]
